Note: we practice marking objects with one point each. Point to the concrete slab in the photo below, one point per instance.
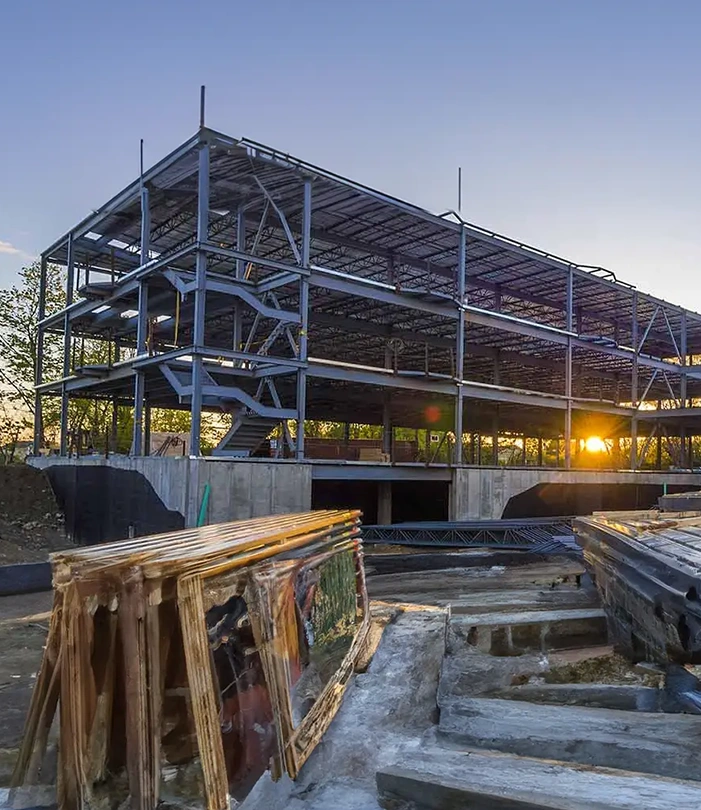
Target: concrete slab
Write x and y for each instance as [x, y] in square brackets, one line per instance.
[449, 780]
[660, 744]
[632, 698]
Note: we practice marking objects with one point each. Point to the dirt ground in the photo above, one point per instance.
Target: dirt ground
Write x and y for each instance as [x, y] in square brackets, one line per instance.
[31, 525]
[23, 626]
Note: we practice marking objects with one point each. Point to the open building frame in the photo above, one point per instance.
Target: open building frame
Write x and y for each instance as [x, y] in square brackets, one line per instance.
[233, 277]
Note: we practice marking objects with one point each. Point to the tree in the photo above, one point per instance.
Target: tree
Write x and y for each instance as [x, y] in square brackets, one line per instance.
[87, 418]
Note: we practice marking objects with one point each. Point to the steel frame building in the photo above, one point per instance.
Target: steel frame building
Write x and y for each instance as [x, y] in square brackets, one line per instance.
[231, 276]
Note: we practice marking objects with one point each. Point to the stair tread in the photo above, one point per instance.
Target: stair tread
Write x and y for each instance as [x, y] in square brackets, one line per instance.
[443, 778]
[650, 742]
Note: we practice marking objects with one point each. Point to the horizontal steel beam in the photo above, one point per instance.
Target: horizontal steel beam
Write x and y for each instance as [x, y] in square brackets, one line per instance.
[365, 471]
[435, 384]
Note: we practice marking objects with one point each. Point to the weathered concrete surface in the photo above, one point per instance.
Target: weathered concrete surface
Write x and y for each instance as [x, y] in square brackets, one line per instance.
[452, 780]
[501, 633]
[483, 493]
[631, 698]
[387, 711]
[531, 586]
[238, 489]
[660, 744]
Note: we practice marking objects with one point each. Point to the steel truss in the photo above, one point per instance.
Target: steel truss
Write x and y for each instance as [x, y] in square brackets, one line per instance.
[235, 278]
[539, 535]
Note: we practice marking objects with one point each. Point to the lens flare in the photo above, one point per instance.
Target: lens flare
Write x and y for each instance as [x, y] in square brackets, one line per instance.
[432, 414]
[595, 444]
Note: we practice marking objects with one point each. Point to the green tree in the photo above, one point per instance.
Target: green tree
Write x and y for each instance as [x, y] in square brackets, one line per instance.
[89, 418]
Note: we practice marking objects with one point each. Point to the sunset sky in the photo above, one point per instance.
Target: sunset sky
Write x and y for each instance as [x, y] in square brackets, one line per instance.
[577, 124]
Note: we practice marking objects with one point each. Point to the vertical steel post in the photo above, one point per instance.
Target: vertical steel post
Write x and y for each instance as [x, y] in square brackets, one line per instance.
[200, 297]
[70, 280]
[39, 368]
[658, 462]
[141, 327]
[147, 428]
[460, 347]
[683, 350]
[568, 370]
[495, 437]
[115, 424]
[240, 273]
[634, 384]
[304, 314]
[387, 411]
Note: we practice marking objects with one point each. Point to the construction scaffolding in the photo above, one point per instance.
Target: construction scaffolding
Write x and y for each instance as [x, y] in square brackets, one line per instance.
[232, 277]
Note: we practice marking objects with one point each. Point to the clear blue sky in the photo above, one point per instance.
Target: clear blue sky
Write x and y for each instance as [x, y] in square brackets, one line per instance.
[578, 124]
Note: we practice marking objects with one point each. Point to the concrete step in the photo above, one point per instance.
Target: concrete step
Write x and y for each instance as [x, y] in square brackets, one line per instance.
[449, 780]
[511, 633]
[655, 743]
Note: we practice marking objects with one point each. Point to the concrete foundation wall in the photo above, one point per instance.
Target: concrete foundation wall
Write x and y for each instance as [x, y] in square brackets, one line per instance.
[483, 493]
[238, 489]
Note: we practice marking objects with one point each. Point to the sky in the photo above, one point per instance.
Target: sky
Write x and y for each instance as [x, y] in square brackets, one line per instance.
[577, 124]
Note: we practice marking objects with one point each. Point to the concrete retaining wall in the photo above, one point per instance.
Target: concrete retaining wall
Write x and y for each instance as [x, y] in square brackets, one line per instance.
[483, 493]
[238, 489]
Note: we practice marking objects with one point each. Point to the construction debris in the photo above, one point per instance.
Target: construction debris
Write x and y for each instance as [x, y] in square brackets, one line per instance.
[213, 653]
[647, 568]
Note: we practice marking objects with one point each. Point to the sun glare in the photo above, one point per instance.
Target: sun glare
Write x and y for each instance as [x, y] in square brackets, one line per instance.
[595, 444]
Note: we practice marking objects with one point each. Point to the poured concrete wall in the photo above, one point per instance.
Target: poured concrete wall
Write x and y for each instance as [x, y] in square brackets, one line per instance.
[120, 500]
[483, 493]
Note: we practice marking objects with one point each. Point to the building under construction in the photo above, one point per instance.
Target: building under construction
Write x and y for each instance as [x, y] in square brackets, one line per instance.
[234, 278]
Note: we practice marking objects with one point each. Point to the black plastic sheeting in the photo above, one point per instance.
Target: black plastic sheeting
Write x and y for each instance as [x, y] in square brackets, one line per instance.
[104, 504]
[25, 578]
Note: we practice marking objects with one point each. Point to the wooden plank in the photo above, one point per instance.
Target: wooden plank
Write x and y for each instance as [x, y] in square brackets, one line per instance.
[204, 705]
[655, 743]
[133, 635]
[448, 780]
[42, 707]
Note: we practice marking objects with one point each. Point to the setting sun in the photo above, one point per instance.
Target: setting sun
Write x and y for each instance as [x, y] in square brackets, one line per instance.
[595, 444]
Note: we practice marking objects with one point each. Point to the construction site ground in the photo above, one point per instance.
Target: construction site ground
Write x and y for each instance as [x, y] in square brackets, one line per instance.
[31, 524]
[488, 686]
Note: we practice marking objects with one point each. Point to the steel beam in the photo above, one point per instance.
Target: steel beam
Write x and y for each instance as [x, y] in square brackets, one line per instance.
[568, 372]
[200, 297]
[141, 325]
[636, 351]
[684, 359]
[303, 342]
[460, 348]
[39, 369]
[70, 282]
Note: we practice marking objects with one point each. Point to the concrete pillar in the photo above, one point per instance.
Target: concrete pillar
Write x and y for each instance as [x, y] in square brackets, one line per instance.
[384, 503]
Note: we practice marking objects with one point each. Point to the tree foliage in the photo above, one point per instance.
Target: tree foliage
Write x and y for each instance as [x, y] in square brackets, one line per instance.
[87, 418]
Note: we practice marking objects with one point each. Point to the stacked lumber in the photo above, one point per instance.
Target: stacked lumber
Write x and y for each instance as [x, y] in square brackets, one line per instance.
[224, 649]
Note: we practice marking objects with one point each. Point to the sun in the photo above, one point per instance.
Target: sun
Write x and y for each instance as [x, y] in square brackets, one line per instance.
[595, 444]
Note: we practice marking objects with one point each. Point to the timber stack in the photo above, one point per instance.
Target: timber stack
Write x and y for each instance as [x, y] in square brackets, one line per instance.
[647, 568]
[220, 651]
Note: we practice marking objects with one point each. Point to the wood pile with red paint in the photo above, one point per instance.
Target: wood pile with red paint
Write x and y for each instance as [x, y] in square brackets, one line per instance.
[220, 651]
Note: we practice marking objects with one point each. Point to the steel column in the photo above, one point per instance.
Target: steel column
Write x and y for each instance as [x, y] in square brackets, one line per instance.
[240, 273]
[568, 370]
[70, 279]
[39, 368]
[636, 350]
[634, 383]
[683, 350]
[304, 314]
[460, 348]
[147, 428]
[115, 425]
[200, 297]
[141, 327]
